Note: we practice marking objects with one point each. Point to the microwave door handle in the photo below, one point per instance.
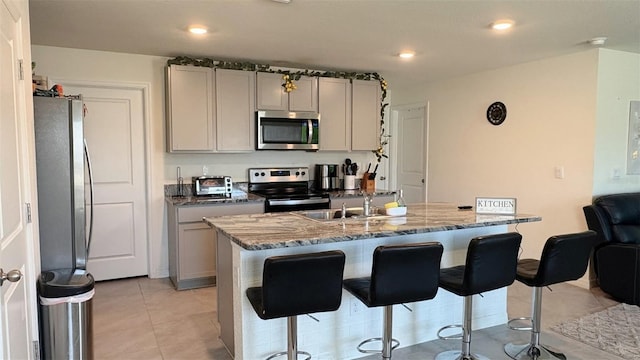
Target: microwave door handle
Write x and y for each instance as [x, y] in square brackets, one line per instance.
[310, 130]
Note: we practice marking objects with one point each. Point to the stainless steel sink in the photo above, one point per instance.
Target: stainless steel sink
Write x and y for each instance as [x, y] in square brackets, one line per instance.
[336, 214]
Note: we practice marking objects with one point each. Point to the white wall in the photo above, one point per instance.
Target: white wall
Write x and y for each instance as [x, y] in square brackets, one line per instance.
[86, 65]
[551, 117]
[618, 84]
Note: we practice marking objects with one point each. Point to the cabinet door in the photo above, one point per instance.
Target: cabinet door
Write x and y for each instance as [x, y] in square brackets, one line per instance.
[305, 97]
[270, 93]
[235, 115]
[334, 104]
[190, 121]
[365, 102]
[196, 251]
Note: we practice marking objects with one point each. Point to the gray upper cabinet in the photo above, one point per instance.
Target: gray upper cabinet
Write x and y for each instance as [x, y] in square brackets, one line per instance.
[365, 117]
[335, 114]
[213, 110]
[272, 96]
[190, 109]
[235, 101]
[210, 110]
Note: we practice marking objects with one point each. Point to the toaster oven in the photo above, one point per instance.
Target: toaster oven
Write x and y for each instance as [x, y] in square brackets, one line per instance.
[212, 185]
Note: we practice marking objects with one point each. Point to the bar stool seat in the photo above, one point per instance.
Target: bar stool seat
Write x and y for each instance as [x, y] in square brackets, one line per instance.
[295, 285]
[490, 264]
[399, 274]
[564, 258]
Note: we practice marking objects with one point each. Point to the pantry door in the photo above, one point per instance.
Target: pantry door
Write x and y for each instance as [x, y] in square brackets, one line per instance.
[412, 153]
[114, 127]
[18, 312]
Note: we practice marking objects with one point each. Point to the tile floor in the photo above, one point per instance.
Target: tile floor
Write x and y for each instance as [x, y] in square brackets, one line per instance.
[142, 318]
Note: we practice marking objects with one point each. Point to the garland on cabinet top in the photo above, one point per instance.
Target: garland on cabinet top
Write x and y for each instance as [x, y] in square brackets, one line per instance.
[289, 77]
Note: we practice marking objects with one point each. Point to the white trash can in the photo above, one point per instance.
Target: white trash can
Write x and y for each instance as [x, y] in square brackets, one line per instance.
[66, 314]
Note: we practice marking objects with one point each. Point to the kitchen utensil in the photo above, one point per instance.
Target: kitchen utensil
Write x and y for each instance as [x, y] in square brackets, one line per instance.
[368, 168]
[347, 161]
[372, 175]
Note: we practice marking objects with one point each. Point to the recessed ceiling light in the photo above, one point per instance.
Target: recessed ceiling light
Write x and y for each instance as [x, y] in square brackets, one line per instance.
[502, 24]
[197, 29]
[407, 54]
[597, 41]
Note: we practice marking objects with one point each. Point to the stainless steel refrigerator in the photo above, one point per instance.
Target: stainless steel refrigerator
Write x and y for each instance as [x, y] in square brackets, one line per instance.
[65, 288]
[60, 162]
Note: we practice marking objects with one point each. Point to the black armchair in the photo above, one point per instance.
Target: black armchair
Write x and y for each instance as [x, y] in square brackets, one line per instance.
[616, 257]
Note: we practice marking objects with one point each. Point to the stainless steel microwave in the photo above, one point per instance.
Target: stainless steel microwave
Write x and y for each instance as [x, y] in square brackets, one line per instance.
[284, 130]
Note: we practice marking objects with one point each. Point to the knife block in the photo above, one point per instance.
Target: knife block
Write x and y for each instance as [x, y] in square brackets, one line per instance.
[366, 184]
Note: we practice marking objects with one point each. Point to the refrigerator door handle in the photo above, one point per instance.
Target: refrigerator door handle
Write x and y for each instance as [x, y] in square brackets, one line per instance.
[90, 235]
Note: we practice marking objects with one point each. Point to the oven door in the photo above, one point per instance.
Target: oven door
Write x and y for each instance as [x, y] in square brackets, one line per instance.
[296, 204]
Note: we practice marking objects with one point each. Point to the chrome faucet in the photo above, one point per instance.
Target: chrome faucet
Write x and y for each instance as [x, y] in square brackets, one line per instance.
[366, 207]
[343, 212]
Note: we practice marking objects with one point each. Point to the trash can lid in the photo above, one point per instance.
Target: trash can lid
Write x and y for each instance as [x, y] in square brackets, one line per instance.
[64, 282]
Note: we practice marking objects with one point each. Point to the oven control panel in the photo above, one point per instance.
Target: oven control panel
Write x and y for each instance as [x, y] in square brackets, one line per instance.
[275, 175]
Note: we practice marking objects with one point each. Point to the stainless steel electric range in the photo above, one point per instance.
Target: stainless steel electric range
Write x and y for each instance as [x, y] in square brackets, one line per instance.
[286, 189]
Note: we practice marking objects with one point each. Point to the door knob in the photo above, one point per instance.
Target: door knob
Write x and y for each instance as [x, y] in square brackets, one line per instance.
[423, 181]
[13, 276]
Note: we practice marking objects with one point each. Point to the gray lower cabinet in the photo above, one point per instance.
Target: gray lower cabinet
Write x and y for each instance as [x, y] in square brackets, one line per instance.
[193, 244]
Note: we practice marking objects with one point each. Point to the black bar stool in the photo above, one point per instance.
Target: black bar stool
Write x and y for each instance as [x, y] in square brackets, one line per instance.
[564, 258]
[490, 265]
[399, 274]
[295, 285]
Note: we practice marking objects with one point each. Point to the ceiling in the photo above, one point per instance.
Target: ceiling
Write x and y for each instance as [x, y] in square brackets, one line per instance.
[451, 38]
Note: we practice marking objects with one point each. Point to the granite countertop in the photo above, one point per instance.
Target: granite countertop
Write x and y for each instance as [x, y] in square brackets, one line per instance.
[236, 197]
[356, 193]
[276, 230]
[241, 196]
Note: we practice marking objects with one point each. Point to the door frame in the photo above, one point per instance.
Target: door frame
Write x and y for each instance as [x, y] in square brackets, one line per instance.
[146, 116]
[393, 143]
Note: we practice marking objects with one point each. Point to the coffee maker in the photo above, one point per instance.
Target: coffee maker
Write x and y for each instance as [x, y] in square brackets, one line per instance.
[327, 177]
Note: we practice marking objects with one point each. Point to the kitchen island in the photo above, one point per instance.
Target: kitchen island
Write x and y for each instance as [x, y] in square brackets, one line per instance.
[244, 241]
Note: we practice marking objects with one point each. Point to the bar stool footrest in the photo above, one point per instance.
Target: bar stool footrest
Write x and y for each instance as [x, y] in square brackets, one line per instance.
[284, 353]
[531, 352]
[457, 355]
[520, 328]
[450, 337]
[394, 344]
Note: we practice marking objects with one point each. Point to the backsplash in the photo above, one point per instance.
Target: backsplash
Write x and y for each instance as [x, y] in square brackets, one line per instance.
[237, 165]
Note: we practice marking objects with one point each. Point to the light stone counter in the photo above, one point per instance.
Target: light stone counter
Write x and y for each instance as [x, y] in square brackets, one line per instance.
[245, 241]
[276, 230]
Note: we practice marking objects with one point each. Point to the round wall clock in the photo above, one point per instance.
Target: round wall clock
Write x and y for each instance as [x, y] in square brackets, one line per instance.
[497, 113]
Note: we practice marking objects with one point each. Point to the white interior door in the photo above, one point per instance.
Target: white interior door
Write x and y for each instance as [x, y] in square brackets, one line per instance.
[16, 233]
[412, 154]
[114, 130]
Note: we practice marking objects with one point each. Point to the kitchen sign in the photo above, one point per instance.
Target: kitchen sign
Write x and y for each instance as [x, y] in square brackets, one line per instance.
[496, 206]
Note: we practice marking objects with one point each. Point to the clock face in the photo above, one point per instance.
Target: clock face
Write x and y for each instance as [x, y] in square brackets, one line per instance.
[496, 113]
